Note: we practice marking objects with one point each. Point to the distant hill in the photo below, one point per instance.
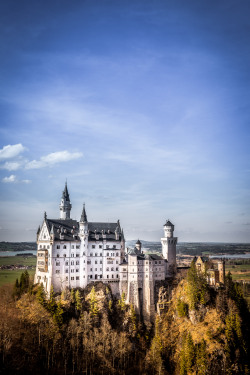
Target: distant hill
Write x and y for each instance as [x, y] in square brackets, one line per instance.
[17, 246]
[196, 248]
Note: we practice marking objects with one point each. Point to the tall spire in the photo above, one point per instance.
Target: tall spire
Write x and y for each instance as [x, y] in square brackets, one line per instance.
[84, 215]
[65, 205]
[65, 193]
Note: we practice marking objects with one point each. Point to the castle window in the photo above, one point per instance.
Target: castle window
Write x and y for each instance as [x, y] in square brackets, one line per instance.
[72, 278]
[100, 254]
[110, 262]
[66, 263]
[100, 246]
[112, 268]
[96, 254]
[89, 262]
[117, 262]
[100, 276]
[47, 246]
[72, 270]
[84, 269]
[77, 262]
[64, 255]
[114, 246]
[77, 277]
[67, 271]
[107, 269]
[112, 276]
[72, 263]
[77, 255]
[124, 275]
[124, 269]
[57, 271]
[67, 278]
[156, 262]
[72, 255]
[83, 254]
[107, 254]
[91, 269]
[100, 261]
[117, 254]
[57, 263]
[41, 246]
[159, 262]
[77, 270]
[93, 246]
[95, 269]
[57, 255]
[107, 276]
[72, 247]
[146, 275]
[64, 247]
[77, 246]
[95, 261]
[117, 269]
[91, 254]
[90, 276]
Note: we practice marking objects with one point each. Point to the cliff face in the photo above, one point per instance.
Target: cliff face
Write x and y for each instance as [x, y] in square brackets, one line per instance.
[204, 331]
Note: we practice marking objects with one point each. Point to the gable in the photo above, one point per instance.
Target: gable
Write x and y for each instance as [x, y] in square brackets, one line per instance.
[44, 233]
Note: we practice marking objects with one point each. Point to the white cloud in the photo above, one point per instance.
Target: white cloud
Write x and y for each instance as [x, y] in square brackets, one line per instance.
[53, 158]
[10, 179]
[11, 151]
[11, 165]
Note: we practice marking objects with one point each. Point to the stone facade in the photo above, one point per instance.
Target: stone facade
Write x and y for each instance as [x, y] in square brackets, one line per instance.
[72, 254]
[214, 270]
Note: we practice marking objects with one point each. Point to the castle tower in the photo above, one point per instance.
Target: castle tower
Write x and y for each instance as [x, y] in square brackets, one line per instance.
[169, 244]
[83, 224]
[138, 246]
[65, 205]
[221, 269]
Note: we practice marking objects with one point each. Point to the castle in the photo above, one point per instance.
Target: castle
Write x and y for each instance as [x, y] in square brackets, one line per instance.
[72, 254]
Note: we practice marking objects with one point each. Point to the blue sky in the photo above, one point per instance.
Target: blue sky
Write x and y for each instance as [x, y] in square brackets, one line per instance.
[143, 106]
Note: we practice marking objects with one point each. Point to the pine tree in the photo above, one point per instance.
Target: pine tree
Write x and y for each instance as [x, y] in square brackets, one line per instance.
[72, 296]
[78, 301]
[94, 311]
[189, 352]
[51, 305]
[58, 315]
[40, 295]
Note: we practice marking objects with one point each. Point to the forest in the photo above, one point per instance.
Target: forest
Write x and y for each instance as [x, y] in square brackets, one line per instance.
[203, 331]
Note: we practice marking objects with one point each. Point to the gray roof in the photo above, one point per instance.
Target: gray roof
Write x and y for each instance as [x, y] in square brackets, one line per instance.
[168, 224]
[70, 229]
[84, 215]
[65, 193]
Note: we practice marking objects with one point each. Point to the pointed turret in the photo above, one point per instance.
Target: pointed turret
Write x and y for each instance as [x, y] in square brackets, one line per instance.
[84, 215]
[65, 205]
[138, 246]
[83, 223]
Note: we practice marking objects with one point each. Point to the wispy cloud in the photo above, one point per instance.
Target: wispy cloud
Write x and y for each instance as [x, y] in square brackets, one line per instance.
[11, 165]
[11, 151]
[12, 179]
[53, 158]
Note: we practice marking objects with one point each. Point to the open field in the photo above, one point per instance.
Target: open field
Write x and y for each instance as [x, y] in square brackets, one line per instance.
[18, 265]
[10, 276]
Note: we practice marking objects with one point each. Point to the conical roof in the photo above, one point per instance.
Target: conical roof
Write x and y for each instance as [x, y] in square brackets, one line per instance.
[65, 193]
[168, 224]
[84, 215]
